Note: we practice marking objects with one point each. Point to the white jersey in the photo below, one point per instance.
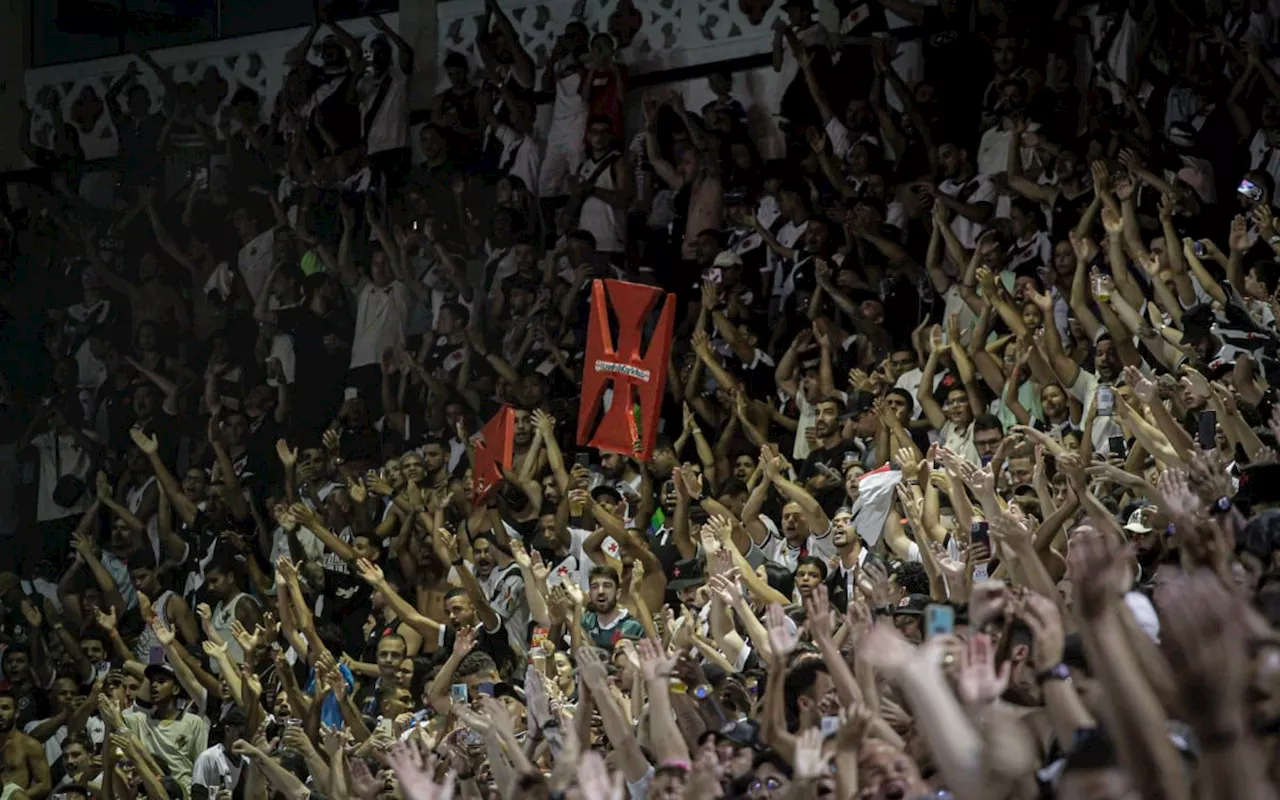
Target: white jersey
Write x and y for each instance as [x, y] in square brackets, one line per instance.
[605, 222]
[147, 648]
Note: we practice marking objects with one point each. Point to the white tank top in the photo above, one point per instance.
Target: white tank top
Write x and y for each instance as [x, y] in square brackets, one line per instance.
[223, 616]
[605, 222]
[147, 648]
[569, 104]
[133, 501]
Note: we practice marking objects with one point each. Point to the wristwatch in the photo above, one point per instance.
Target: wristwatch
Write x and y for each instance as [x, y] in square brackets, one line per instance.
[1059, 672]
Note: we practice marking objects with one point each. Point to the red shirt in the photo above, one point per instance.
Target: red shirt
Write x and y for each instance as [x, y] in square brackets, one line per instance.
[606, 95]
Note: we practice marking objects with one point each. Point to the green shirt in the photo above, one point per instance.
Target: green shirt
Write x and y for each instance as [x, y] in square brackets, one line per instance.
[624, 627]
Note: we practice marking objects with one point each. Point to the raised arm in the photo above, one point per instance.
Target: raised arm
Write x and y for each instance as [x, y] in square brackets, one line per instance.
[403, 49]
[661, 167]
[813, 511]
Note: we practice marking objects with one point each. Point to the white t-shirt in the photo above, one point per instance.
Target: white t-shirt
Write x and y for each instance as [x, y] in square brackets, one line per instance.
[778, 550]
[389, 129]
[215, 770]
[381, 315]
[69, 459]
[53, 745]
[1264, 157]
[978, 189]
[960, 441]
[808, 416]
[521, 155]
[1085, 389]
[255, 260]
[787, 236]
[843, 140]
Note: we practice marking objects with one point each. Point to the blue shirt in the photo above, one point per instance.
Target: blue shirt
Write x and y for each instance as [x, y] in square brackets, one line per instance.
[330, 712]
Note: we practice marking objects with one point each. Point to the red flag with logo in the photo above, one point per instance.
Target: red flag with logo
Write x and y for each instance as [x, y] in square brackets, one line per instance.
[636, 374]
[495, 450]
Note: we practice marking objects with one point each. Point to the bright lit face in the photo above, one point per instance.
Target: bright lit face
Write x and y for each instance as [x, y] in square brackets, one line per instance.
[604, 594]
[843, 532]
[390, 654]
[462, 614]
[827, 420]
[808, 578]
[957, 408]
[795, 526]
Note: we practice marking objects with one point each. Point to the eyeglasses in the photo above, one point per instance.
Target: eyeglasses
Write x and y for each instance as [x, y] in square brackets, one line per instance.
[768, 783]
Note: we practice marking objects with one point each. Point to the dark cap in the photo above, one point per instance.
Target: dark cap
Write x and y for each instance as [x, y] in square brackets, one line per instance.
[1260, 484]
[162, 671]
[912, 605]
[860, 403]
[742, 734]
[604, 490]
[1197, 322]
[687, 573]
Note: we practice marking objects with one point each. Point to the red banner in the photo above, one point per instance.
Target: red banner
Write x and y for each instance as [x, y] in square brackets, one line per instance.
[494, 451]
[636, 376]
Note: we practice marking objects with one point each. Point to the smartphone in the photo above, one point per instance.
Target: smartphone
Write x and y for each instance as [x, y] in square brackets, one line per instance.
[582, 459]
[292, 722]
[939, 620]
[1207, 435]
[485, 689]
[1116, 445]
[1249, 190]
[1199, 249]
[980, 533]
[714, 274]
[459, 693]
[1106, 401]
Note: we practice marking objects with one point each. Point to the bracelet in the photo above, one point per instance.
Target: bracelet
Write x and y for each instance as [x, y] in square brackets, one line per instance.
[1058, 672]
[457, 562]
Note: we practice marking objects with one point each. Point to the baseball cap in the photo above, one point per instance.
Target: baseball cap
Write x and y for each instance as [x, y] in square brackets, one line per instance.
[162, 671]
[1140, 520]
[727, 259]
[912, 605]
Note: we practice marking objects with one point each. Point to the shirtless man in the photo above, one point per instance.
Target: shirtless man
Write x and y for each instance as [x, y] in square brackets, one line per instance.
[24, 764]
[698, 171]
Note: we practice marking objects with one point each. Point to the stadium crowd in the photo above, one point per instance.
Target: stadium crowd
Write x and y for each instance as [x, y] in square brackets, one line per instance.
[966, 483]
